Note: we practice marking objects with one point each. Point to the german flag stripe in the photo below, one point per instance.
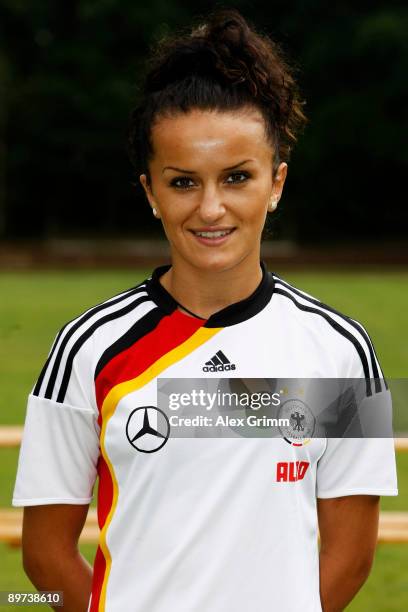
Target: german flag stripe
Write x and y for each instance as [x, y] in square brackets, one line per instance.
[105, 497]
[146, 341]
[175, 337]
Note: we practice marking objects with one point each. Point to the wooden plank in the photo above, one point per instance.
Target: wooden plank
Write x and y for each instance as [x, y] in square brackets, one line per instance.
[401, 444]
[10, 435]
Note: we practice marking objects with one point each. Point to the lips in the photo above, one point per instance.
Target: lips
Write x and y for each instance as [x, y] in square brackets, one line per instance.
[214, 236]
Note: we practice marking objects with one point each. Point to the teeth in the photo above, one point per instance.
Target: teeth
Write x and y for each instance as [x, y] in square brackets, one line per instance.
[213, 234]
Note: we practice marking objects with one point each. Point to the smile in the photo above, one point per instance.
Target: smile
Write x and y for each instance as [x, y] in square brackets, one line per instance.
[213, 237]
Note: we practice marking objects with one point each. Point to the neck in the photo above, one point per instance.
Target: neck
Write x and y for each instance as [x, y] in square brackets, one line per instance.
[206, 291]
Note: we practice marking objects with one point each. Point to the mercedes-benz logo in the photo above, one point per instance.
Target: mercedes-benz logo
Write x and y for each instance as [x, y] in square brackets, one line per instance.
[140, 433]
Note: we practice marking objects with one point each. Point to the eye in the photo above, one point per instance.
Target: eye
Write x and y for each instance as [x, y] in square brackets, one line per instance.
[238, 177]
[182, 182]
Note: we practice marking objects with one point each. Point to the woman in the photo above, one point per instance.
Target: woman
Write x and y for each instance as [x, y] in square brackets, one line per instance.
[195, 523]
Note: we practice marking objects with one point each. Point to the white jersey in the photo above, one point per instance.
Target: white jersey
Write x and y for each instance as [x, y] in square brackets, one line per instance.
[196, 524]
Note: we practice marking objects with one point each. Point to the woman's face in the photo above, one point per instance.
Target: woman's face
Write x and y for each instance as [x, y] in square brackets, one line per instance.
[212, 172]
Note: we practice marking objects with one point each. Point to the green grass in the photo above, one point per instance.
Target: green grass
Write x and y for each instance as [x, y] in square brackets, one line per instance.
[386, 589]
[37, 304]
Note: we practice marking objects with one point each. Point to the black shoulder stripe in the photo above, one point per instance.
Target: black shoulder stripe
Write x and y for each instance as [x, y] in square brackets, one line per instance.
[39, 382]
[355, 324]
[57, 363]
[79, 320]
[338, 328]
[87, 334]
[376, 362]
[141, 328]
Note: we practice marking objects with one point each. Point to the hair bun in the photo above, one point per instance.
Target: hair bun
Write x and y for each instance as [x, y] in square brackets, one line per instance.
[193, 58]
[228, 34]
[226, 27]
[220, 48]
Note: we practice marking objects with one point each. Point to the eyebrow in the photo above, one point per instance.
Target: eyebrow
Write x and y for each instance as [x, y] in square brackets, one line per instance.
[241, 163]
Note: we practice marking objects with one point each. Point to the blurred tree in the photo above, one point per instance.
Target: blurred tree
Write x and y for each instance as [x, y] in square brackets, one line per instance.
[4, 74]
[70, 73]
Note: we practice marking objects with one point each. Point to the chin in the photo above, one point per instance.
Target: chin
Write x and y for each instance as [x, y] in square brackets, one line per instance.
[215, 262]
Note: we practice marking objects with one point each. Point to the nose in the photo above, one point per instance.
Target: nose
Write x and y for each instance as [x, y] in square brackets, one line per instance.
[211, 205]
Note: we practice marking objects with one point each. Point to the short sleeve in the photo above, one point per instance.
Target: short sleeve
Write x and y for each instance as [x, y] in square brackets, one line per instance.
[362, 465]
[60, 445]
[357, 466]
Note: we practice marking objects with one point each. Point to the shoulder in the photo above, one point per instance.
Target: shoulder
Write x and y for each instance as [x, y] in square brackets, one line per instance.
[80, 342]
[332, 329]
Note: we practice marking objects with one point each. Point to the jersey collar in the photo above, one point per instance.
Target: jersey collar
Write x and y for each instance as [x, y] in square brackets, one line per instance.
[229, 315]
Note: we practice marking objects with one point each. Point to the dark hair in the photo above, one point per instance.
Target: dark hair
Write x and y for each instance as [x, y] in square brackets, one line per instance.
[221, 64]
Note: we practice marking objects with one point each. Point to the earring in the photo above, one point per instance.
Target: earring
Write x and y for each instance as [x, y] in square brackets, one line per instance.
[273, 204]
[155, 212]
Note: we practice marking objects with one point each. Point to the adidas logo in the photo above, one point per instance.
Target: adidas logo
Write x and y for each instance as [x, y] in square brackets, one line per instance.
[218, 363]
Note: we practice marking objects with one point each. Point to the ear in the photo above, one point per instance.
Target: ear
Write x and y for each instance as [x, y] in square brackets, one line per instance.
[147, 189]
[279, 181]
